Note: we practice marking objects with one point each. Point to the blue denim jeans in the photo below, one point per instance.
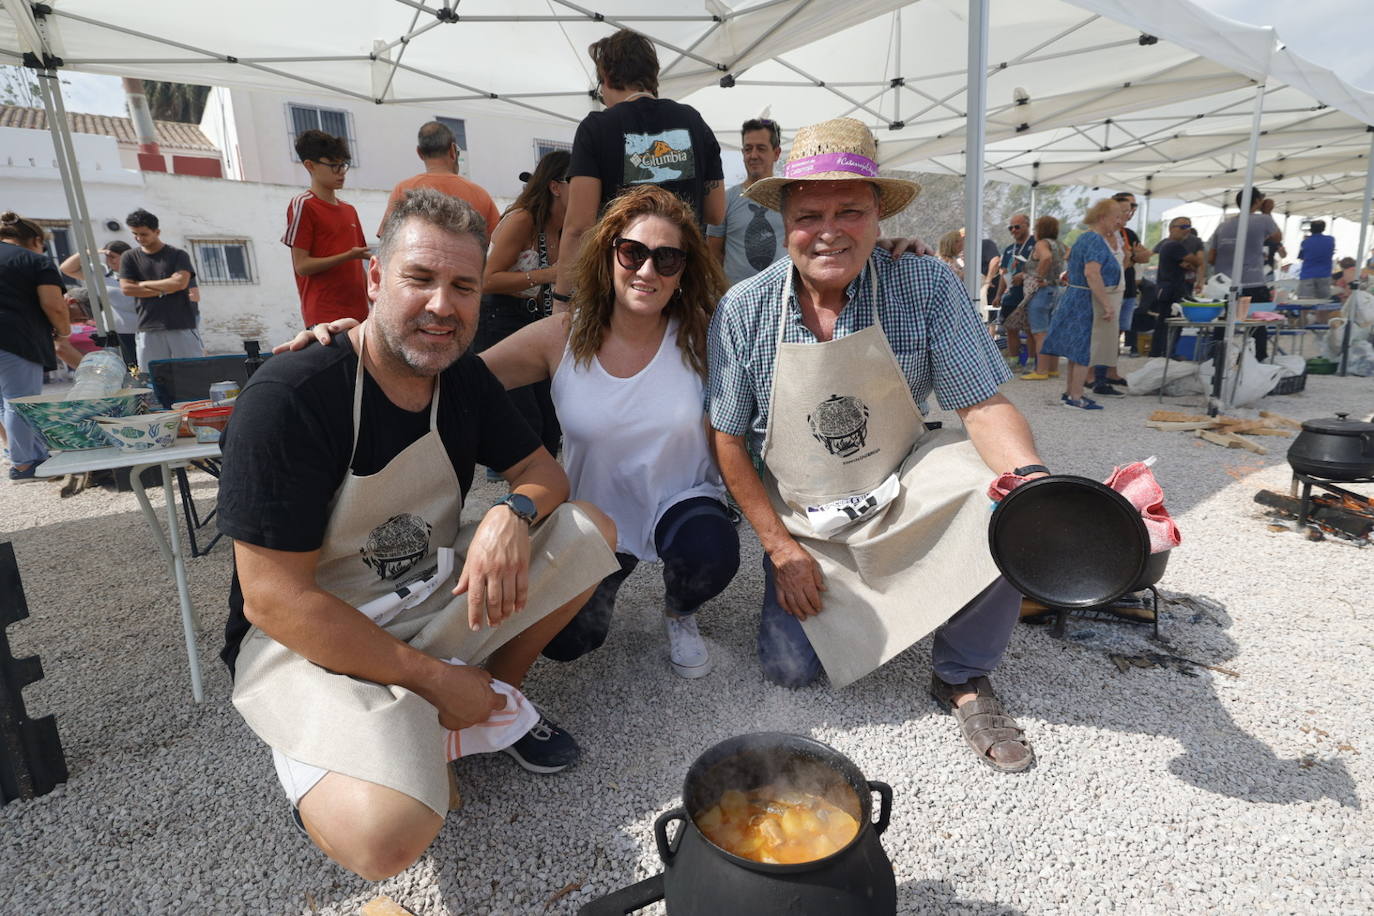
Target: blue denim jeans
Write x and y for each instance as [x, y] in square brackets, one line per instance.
[20, 378]
[1127, 313]
[1041, 308]
[699, 547]
[969, 644]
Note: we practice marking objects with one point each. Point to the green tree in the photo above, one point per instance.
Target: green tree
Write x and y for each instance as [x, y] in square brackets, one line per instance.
[176, 101]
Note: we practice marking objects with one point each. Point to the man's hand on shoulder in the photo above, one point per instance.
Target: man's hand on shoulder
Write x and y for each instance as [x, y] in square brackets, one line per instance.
[496, 573]
[320, 333]
[899, 247]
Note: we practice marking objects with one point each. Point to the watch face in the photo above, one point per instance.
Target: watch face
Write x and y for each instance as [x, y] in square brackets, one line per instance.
[523, 506]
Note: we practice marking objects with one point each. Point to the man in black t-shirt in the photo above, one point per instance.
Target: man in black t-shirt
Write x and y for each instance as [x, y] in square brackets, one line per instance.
[157, 276]
[351, 657]
[638, 139]
[1175, 262]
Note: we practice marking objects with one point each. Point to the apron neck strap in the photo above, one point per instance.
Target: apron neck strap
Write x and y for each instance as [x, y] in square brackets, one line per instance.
[358, 395]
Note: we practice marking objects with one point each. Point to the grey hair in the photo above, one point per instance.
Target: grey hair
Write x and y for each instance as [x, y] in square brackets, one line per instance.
[450, 214]
[784, 192]
[434, 140]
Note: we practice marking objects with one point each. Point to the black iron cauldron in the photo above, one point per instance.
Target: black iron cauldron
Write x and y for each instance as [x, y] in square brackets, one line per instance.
[1334, 448]
[701, 878]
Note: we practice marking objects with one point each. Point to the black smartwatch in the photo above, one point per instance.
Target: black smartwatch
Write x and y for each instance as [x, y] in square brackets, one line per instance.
[523, 507]
[1030, 469]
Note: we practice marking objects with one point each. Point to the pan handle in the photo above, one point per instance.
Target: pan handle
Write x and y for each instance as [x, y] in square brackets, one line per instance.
[627, 899]
[884, 804]
[666, 849]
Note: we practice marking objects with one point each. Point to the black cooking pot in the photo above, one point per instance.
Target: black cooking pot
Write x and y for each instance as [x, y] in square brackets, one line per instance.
[1334, 448]
[1071, 542]
[701, 879]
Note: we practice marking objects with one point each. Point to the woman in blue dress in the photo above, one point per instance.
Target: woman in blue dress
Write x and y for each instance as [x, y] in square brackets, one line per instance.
[1094, 287]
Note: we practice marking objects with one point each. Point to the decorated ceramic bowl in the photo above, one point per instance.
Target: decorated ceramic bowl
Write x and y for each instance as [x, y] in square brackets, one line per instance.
[141, 433]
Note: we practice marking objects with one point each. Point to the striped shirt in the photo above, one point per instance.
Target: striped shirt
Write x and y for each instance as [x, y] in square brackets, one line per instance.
[932, 327]
[322, 229]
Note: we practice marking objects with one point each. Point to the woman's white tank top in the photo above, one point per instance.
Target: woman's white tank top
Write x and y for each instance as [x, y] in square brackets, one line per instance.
[634, 447]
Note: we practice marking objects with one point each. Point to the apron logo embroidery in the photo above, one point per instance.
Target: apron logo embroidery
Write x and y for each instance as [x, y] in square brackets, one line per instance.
[840, 423]
[395, 546]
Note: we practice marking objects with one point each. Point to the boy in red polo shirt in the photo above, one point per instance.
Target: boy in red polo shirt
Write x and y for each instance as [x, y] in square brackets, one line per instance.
[325, 237]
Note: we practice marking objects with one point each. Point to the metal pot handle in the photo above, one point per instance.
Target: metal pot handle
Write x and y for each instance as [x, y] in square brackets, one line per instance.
[627, 899]
[666, 849]
[885, 803]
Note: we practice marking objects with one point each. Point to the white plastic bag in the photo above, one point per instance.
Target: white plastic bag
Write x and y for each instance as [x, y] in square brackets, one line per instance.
[1256, 380]
[1218, 287]
[1290, 364]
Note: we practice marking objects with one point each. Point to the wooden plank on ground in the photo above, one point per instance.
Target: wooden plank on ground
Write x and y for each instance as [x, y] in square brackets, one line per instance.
[1174, 416]
[1266, 431]
[1180, 426]
[384, 906]
[1225, 441]
[1247, 444]
[1280, 420]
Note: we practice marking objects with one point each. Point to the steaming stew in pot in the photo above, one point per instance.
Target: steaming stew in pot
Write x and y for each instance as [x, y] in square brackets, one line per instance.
[778, 826]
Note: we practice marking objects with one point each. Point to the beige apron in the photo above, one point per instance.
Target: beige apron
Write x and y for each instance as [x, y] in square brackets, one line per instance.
[381, 527]
[1105, 346]
[841, 421]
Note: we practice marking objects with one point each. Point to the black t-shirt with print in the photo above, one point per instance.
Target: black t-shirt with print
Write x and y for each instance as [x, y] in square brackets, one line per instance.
[172, 312]
[287, 446]
[647, 141]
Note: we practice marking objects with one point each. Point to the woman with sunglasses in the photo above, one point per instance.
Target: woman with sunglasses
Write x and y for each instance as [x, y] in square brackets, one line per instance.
[628, 370]
[519, 277]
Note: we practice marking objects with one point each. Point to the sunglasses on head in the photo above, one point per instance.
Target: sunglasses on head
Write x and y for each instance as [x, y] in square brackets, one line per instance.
[668, 261]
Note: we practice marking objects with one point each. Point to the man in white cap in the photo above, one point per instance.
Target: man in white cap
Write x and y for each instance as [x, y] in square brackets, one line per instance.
[874, 526]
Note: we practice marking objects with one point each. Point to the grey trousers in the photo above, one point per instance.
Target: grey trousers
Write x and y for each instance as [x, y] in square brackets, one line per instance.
[153, 345]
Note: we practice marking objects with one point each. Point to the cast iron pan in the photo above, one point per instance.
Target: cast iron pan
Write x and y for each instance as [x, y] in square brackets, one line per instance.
[1069, 541]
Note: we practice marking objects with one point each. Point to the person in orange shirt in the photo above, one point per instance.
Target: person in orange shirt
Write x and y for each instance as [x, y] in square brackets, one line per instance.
[439, 152]
[325, 235]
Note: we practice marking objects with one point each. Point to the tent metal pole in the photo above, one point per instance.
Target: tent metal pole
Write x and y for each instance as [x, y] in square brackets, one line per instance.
[975, 128]
[1035, 185]
[67, 166]
[1238, 260]
[1359, 255]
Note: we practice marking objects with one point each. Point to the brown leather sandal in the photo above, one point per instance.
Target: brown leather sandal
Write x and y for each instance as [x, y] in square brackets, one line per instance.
[994, 736]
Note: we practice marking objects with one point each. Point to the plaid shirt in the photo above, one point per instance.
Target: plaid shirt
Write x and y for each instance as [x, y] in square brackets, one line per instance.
[938, 339]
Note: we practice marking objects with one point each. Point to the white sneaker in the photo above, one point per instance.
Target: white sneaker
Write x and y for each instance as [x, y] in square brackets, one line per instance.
[686, 649]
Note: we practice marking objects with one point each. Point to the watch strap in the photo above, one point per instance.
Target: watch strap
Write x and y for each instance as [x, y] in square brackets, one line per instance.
[512, 502]
[561, 297]
[1030, 469]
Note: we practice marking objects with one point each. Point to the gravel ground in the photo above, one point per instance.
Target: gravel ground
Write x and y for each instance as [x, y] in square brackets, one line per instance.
[1175, 789]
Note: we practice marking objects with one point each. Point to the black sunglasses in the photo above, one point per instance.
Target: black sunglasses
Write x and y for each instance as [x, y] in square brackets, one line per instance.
[668, 262]
[1181, 226]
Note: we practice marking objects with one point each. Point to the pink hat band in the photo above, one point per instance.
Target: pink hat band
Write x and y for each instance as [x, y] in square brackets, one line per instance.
[831, 162]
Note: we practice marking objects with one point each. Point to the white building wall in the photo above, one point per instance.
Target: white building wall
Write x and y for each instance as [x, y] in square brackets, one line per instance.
[267, 310]
[252, 128]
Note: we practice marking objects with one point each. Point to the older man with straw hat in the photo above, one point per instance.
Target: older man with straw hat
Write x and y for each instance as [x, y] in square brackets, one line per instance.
[874, 525]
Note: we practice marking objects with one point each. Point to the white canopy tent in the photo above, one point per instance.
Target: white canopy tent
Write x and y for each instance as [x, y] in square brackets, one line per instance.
[1161, 97]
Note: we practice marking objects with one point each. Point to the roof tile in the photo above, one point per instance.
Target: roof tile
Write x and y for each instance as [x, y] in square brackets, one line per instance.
[174, 135]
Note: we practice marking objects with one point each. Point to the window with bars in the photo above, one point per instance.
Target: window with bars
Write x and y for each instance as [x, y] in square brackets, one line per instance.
[330, 120]
[544, 147]
[223, 261]
[459, 128]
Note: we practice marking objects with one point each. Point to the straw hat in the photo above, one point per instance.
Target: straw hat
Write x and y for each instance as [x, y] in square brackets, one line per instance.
[838, 150]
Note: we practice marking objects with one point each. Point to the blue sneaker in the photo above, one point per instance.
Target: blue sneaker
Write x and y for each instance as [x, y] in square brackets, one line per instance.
[546, 748]
[1083, 403]
[30, 473]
